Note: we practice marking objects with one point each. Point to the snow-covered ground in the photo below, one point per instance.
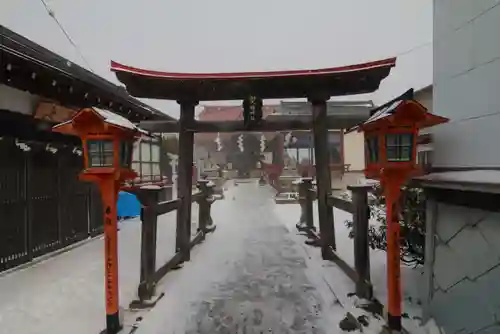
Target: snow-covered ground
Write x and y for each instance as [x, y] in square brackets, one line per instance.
[253, 275]
[411, 278]
[65, 294]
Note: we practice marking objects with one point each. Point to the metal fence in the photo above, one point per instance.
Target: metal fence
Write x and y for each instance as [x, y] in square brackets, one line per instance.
[43, 205]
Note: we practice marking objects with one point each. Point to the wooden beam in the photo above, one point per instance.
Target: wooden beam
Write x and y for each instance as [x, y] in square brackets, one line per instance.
[340, 203]
[332, 123]
[160, 126]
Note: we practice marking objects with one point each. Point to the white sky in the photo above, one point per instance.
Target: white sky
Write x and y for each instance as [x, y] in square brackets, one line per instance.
[234, 35]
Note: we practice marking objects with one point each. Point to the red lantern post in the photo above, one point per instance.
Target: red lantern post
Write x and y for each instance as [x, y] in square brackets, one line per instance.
[390, 154]
[107, 146]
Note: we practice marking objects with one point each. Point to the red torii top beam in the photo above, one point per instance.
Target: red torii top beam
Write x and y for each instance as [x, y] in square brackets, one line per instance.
[327, 82]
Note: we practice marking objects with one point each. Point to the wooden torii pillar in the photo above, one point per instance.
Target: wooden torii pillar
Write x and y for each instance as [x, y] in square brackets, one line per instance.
[323, 176]
[184, 178]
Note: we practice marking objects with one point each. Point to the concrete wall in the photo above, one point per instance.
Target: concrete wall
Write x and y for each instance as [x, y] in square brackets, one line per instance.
[465, 285]
[466, 82]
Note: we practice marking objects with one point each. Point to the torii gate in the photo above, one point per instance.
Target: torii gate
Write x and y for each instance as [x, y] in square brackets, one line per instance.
[317, 85]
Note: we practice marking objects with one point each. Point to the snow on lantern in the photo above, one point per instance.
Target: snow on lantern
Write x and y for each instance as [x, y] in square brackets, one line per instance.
[390, 157]
[107, 147]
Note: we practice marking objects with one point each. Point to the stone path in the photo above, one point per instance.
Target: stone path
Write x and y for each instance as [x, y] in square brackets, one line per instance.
[268, 291]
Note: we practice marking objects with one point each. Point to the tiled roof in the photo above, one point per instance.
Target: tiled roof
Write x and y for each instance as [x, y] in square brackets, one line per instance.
[385, 110]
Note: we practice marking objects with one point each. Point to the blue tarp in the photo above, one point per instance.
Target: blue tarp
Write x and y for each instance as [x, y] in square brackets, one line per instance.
[128, 205]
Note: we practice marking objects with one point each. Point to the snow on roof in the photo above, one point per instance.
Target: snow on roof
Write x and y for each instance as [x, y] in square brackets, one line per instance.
[118, 120]
[114, 119]
[386, 109]
[384, 112]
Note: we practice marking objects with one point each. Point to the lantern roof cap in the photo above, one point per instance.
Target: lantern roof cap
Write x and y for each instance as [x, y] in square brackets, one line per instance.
[387, 112]
[106, 116]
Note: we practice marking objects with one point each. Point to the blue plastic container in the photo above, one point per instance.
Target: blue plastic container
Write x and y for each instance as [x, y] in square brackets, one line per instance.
[128, 205]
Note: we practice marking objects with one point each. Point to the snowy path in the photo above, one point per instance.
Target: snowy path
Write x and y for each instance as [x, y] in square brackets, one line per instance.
[253, 275]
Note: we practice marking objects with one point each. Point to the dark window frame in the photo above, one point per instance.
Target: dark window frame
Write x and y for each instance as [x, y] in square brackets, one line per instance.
[372, 147]
[396, 147]
[100, 153]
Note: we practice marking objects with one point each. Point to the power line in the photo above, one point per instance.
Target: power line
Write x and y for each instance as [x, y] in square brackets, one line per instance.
[68, 37]
[447, 35]
[51, 13]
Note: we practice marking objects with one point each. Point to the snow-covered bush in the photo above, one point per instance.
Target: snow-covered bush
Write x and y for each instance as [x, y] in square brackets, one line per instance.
[412, 222]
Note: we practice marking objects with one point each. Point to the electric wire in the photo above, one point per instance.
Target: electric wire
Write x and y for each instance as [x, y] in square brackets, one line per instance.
[51, 13]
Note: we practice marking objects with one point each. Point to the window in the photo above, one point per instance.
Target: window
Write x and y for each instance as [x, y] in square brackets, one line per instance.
[100, 153]
[399, 147]
[372, 149]
[125, 148]
[334, 147]
[424, 158]
[146, 160]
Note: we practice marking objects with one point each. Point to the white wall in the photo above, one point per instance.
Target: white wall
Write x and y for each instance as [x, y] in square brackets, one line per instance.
[467, 82]
[354, 151]
[425, 97]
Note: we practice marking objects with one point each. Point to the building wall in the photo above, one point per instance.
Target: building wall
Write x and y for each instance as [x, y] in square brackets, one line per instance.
[462, 252]
[465, 289]
[354, 151]
[425, 97]
[466, 82]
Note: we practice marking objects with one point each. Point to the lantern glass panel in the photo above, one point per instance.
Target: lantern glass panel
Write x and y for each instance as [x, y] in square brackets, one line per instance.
[399, 147]
[100, 153]
[125, 154]
[372, 149]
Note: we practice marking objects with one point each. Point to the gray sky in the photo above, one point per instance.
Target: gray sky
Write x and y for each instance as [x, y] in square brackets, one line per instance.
[234, 35]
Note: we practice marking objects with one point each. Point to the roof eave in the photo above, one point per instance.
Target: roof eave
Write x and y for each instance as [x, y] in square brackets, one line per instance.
[49, 66]
[267, 85]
